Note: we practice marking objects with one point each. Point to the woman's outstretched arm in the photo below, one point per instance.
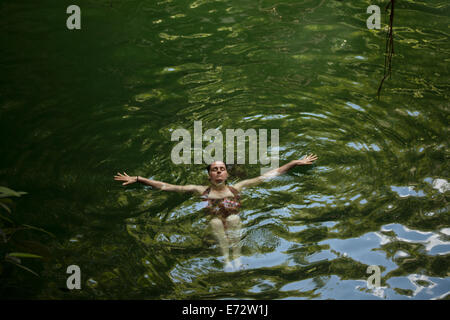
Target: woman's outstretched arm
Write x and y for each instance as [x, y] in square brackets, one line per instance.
[157, 184]
[275, 172]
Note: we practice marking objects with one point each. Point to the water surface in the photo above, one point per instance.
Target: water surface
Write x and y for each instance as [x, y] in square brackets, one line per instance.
[78, 106]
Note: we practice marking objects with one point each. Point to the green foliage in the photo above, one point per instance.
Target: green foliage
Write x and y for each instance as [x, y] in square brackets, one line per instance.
[13, 247]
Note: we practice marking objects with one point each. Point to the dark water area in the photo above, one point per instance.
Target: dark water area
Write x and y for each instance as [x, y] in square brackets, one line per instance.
[77, 106]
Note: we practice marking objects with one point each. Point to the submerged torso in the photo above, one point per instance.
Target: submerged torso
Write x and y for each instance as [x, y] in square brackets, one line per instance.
[224, 206]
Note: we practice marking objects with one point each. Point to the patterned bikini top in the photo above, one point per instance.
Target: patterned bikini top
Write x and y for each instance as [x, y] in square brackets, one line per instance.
[225, 206]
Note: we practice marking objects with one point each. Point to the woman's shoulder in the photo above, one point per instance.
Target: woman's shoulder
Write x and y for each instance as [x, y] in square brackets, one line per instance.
[202, 189]
[234, 190]
[195, 188]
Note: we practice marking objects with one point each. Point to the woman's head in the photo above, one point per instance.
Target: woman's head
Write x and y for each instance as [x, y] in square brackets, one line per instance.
[217, 172]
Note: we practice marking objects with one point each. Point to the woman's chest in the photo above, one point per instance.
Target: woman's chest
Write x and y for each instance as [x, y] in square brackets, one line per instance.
[217, 195]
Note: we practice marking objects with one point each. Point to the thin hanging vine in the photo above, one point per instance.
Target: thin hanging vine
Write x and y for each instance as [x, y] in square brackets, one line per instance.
[389, 46]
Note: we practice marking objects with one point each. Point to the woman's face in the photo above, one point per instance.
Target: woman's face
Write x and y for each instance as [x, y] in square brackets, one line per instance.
[218, 173]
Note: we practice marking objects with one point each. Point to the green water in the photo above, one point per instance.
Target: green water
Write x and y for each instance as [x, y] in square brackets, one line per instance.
[78, 106]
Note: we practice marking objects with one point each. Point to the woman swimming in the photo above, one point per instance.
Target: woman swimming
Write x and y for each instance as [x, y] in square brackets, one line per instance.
[223, 201]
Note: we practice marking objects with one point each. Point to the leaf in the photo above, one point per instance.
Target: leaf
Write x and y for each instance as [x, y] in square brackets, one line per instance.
[32, 246]
[7, 219]
[3, 234]
[12, 259]
[23, 255]
[23, 267]
[7, 201]
[7, 192]
[9, 231]
[5, 207]
[39, 229]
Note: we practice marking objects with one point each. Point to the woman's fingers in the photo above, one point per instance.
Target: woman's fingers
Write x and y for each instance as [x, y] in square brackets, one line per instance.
[123, 177]
[310, 157]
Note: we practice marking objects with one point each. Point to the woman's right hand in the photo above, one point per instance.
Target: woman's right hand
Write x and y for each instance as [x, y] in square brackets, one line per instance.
[125, 177]
[306, 160]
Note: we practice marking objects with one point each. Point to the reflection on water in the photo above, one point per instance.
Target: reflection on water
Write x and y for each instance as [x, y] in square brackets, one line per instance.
[79, 106]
